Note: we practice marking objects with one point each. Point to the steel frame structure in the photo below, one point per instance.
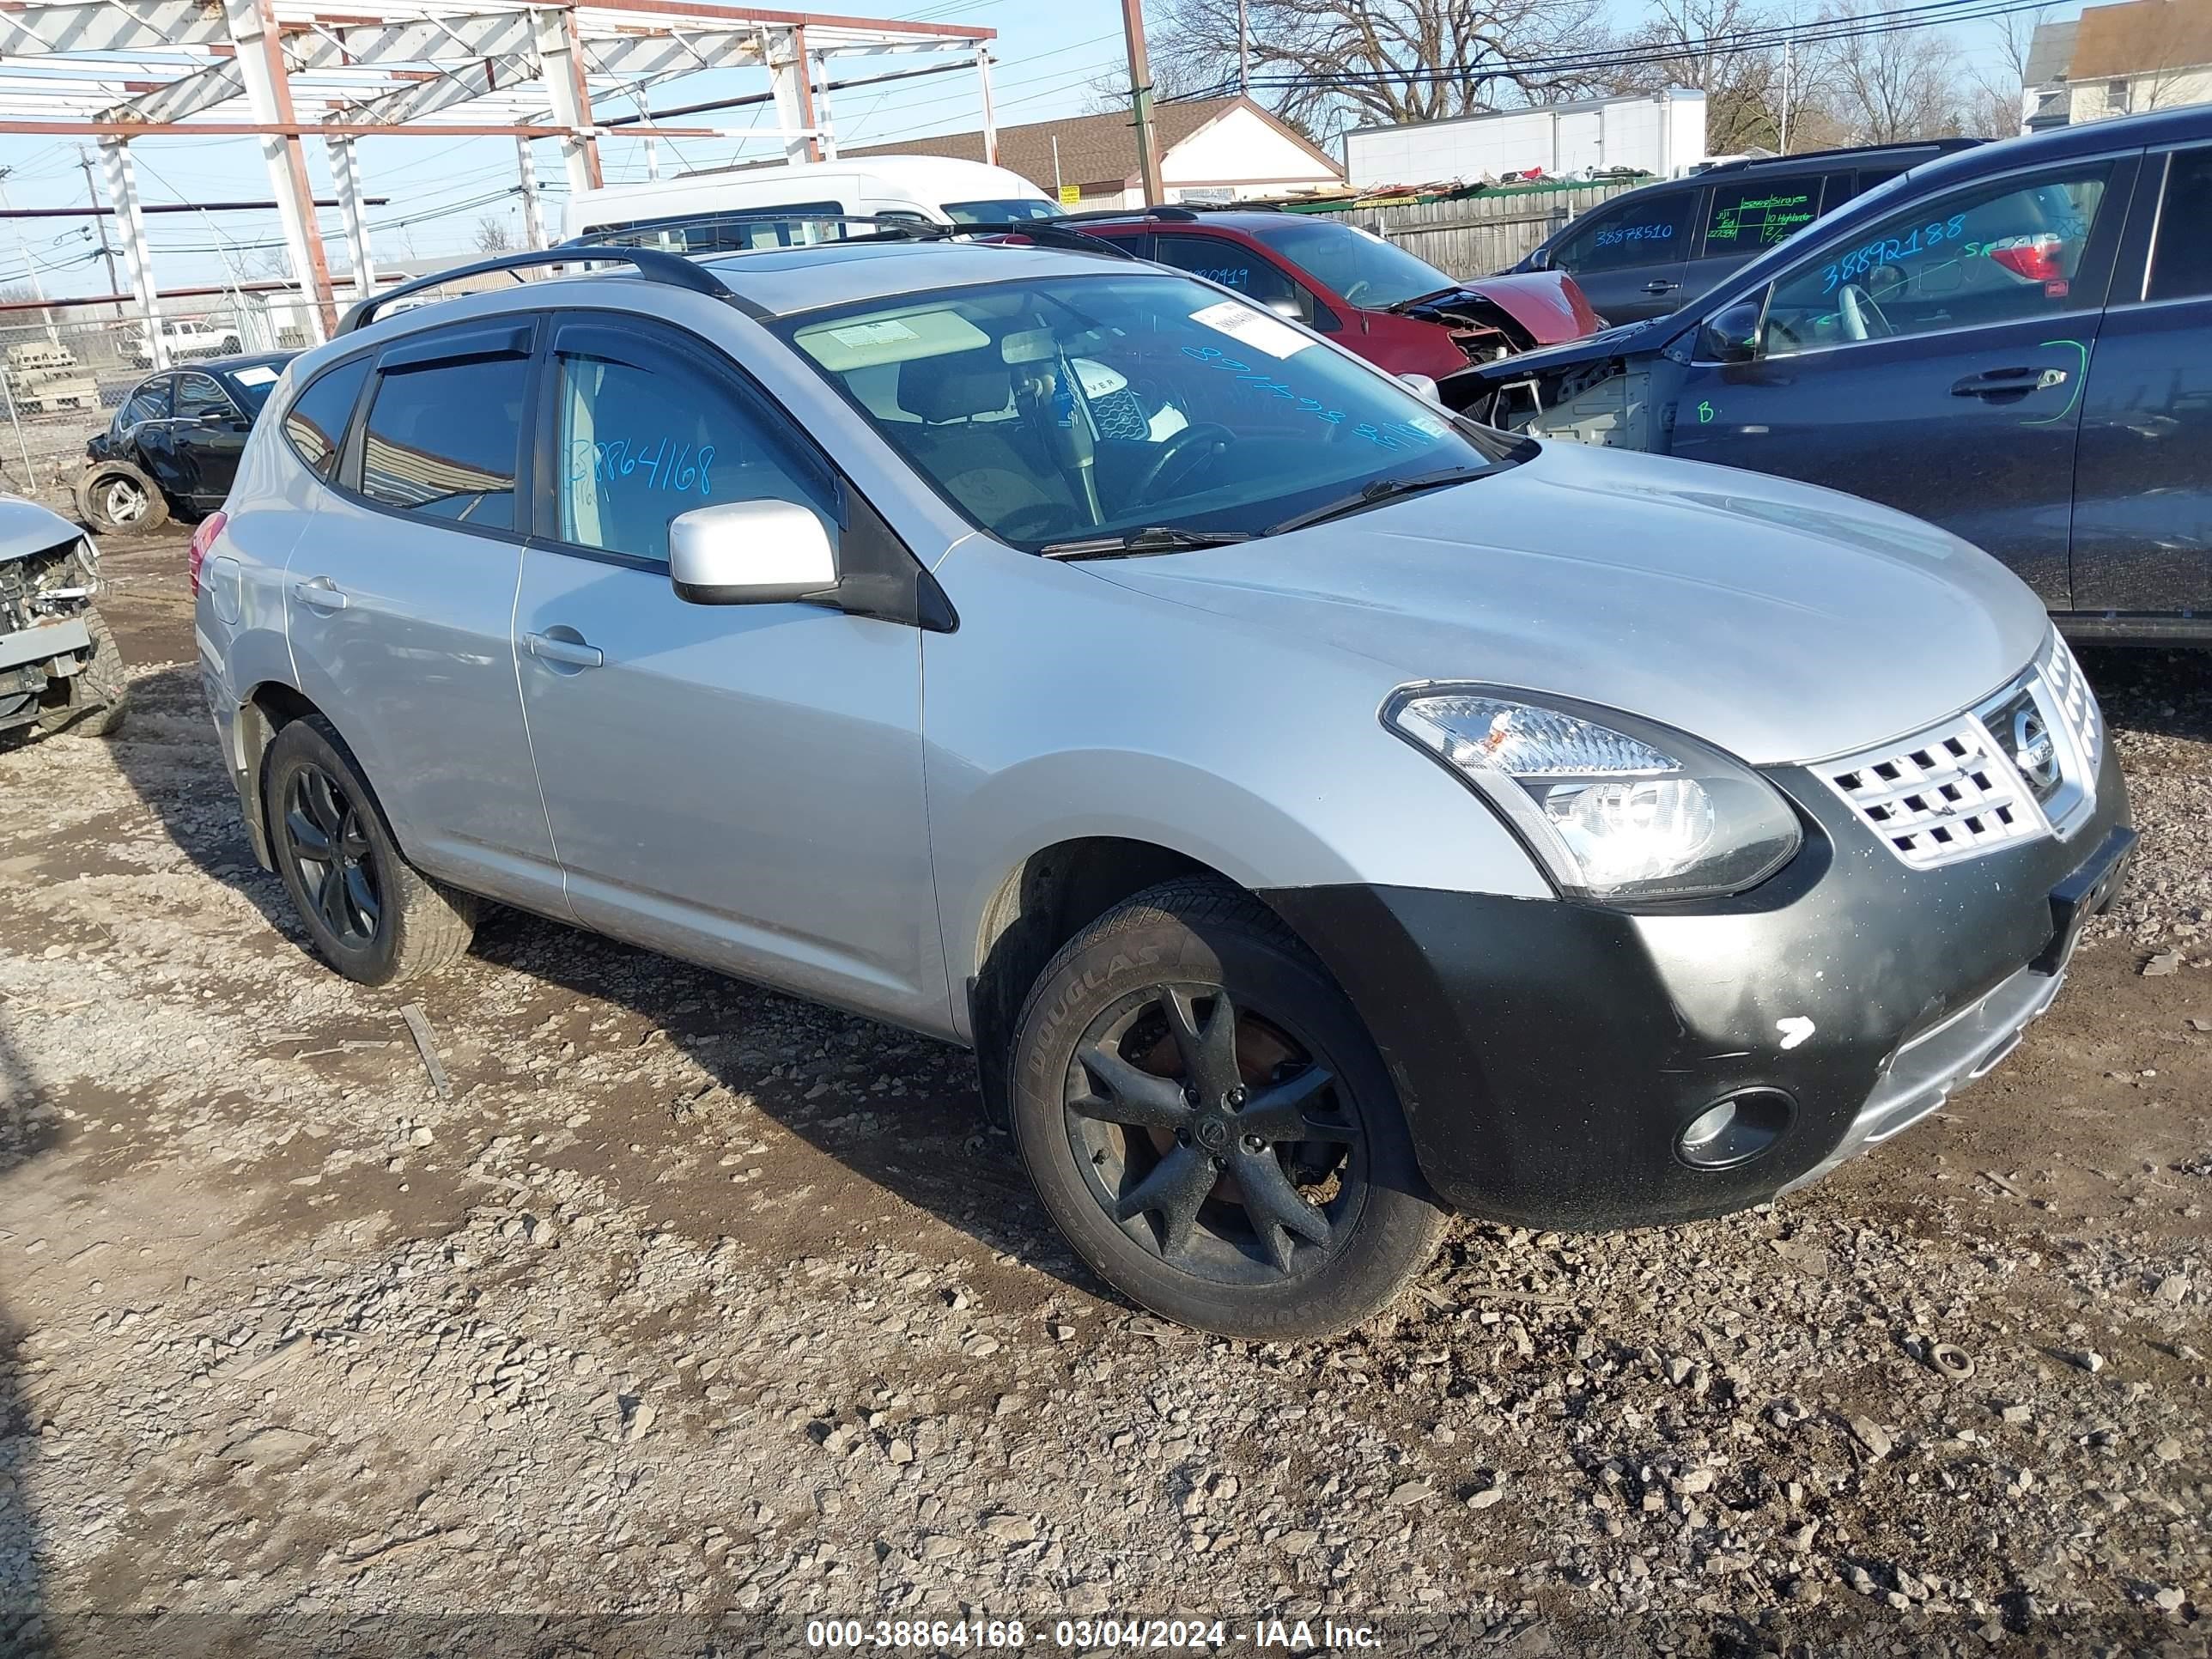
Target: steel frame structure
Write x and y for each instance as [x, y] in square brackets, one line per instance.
[286, 71]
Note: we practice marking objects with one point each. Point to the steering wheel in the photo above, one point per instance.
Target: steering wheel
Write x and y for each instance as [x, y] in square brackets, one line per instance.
[1863, 318]
[1351, 294]
[1176, 448]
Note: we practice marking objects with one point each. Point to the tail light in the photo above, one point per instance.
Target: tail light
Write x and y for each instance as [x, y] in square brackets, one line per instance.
[203, 538]
[2039, 257]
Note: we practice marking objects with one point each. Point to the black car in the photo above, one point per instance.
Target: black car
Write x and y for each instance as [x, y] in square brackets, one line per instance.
[173, 445]
[1655, 249]
[2014, 343]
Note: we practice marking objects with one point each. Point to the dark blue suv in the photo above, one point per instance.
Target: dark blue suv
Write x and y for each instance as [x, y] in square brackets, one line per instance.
[2014, 342]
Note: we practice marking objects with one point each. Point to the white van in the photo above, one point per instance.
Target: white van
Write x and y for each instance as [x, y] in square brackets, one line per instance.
[716, 212]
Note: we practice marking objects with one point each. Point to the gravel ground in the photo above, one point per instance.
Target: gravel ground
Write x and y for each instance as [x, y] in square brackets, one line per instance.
[693, 1312]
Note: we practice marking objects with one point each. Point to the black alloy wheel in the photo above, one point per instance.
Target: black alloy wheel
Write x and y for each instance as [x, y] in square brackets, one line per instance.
[1208, 1122]
[1215, 1137]
[327, 840]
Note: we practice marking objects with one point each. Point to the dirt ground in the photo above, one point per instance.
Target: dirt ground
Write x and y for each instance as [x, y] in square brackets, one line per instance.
[694, 1312]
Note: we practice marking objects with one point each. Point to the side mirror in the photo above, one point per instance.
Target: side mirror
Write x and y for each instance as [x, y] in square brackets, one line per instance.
[749, 553]
[1423, 386]
[1540, 260]
[1286, 308]
[1731, 335]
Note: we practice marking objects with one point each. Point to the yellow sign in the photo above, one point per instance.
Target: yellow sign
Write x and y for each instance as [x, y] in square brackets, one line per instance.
[1070, 195]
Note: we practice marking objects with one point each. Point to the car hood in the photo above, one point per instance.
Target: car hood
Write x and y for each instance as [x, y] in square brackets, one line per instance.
[26, 528]
[1549, 305]
[1647, 336]
[1780, 622]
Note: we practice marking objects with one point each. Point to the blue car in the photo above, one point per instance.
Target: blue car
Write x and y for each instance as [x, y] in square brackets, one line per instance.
[2014, 342]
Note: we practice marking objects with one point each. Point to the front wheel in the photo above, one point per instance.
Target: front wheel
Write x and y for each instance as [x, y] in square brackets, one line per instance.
[91, 703]
[1208, 1122]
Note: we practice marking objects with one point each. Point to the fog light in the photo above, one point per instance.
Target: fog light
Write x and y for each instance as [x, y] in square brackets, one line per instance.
[1735, 1130]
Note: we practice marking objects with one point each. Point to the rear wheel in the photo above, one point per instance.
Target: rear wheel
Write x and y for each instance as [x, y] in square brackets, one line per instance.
[1208, 1122]
[117, 497]
[372, 916]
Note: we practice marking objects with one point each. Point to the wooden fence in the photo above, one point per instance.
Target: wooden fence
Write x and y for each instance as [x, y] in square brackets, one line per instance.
[1481, 234]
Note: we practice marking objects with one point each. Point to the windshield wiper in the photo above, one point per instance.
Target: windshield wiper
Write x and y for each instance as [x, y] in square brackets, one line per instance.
[1374, 492]
[1152, 538]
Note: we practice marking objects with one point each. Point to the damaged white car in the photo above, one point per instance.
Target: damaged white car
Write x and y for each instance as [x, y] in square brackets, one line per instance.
[59, 667]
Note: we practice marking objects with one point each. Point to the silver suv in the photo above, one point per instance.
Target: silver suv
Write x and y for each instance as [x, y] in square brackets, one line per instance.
[1315, 811]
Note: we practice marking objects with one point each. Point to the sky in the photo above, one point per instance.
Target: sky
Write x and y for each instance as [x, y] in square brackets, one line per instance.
[1047, 55]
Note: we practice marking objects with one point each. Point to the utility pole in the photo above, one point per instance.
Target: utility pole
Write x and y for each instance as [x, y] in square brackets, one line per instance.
[99, 223]
[1788, 67]
[1140, 101]
[30, 265]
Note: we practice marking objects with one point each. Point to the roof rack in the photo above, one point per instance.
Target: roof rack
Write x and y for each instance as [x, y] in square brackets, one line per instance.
[650, 264]
[1932, 146]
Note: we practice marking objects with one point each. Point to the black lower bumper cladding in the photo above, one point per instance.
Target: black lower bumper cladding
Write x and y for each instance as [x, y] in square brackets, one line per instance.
[1551, 1054]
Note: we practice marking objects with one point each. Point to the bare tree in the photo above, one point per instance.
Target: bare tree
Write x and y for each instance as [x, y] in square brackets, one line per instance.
[493, 235]
[1995, 93]
[1884, 88]
[1743, 89]
[1360, 61]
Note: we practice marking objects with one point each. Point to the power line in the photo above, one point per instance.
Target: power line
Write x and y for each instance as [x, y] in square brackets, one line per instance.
[1930, 14]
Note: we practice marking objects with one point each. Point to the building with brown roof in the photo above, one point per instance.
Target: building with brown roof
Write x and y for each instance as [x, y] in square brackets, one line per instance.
[2120, 60]
[1212, 150]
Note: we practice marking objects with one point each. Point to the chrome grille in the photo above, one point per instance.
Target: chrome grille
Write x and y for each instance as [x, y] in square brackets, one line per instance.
[1945, 794]
[2076, 706]
[2021, 763]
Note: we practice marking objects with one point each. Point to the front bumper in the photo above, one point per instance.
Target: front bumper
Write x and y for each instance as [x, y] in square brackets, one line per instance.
[1550, 1055]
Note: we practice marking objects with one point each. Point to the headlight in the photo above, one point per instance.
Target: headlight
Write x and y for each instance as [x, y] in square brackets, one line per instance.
[1615, 808]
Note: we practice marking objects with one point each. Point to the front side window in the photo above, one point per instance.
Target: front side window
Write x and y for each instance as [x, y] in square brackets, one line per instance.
[1011, 208]
[1234, 266]
[315, 424]
[1748, 218]
[731, 230]
[2007, 252]
[443, 439]
[1632, 233]
[198, 396]
[1355, 263]
[642, 438]
[1056, 410]
[2181, 262]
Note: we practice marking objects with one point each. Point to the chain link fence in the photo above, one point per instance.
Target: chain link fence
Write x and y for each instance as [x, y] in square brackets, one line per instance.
[66, 370]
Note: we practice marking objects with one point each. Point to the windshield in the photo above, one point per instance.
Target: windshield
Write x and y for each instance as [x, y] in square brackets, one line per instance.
[1362, 268]
[998, 210]
[1075, 408]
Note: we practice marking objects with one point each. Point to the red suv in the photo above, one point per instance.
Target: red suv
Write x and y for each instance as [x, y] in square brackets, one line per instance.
[1399, 312]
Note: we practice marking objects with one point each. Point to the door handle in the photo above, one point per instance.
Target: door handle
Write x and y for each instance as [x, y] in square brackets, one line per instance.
[573, 653]
[1661, 288]
[2006, 383]
[321, 593]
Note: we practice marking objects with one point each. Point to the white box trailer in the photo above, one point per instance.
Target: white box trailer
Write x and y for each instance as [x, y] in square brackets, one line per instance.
[1661, 133]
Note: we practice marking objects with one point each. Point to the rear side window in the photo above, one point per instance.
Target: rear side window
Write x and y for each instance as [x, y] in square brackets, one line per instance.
[315, 424]
[443, 440]
[731, 230]
[1651, 231]
[1750, 217]
[2181, 264]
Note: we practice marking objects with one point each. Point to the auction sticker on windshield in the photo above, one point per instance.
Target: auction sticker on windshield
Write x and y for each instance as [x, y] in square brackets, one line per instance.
[1255, 329]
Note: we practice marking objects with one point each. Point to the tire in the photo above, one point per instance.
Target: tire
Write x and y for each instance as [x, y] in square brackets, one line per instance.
[1121, 1034]
[116, 498]
[372, 916]
[92, 702]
